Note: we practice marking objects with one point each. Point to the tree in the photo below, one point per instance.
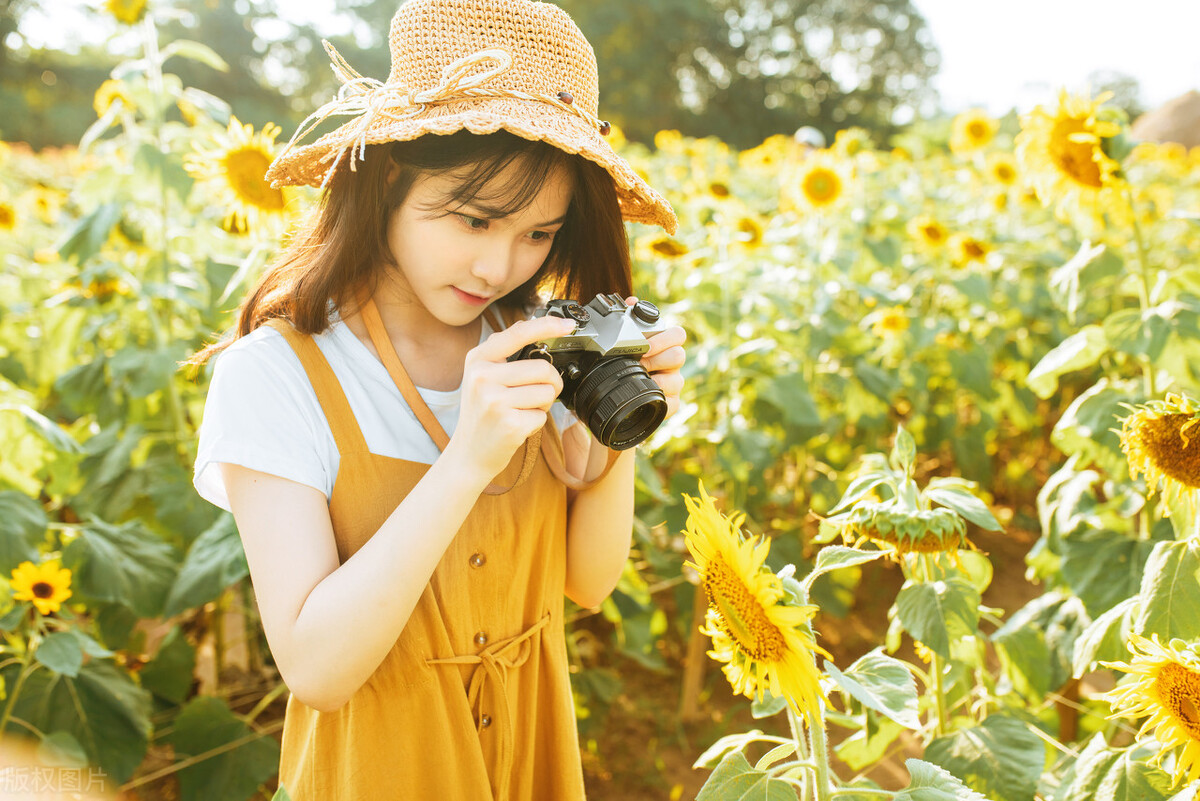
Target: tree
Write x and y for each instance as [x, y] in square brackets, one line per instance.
[742, 69]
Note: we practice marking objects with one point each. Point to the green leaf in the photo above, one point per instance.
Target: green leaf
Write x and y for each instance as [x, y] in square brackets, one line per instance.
[832, 557]
[886, 250]
[1036, 644]
[1082, 349]
[789, 393]
[51, 431]
[938, 612]
[1000, 758]
[930, 783]
[735, 780]
[1103, 567]
[186, 48]
[101, 708]
[1083, 776]
[61, 653]
[125, 564]
[1104, 638]
[90, 233]
[205, 725]
[869, 741]
[215, 561]
[281, 795]
[1170, 592]
[1065, 280]
[716, 752]
[169, 674]
[1132, 779]
[881, 683]
[966, 504]
[904, 451]
[1089, 425]
[60, 749]
[22, 526]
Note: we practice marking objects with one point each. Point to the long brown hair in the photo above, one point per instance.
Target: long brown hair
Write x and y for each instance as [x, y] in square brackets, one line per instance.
[340, 251]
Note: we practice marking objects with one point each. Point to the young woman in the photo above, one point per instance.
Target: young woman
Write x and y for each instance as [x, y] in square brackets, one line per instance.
[410, 501]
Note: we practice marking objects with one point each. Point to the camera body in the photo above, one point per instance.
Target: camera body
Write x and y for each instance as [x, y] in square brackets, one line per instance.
[603, 380]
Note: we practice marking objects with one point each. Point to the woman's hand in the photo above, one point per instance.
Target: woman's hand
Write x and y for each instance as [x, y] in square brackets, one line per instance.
[504, 402]
[664, 360]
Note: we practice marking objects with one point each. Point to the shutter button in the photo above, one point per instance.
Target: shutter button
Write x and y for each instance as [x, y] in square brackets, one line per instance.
[478, 560]
[481, 638]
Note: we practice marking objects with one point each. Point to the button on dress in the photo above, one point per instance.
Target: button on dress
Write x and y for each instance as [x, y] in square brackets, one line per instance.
[473, 702]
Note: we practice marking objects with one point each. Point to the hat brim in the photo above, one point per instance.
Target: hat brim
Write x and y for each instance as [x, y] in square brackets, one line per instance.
[529, 119]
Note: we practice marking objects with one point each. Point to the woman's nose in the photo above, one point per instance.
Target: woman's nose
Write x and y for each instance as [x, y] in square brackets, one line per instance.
[493, 264]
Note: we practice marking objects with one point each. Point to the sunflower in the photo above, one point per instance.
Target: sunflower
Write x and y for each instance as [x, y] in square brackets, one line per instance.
[236, 168]
[47, 585]
[109, 92]
[1162, 440]
[850, 142]
[126, 11]
[669, 247]
[1062, 153]
[967, 250]
[718, 189]
[1003, 168]
[930, 233]
[889, 322]
[763, 638]
[8, 217]
[1167, 688]
[937, 531]
[971, 131]
[820, 184]
[750, 232]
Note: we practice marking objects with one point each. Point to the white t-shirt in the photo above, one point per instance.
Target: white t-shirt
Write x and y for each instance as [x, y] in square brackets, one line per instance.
[261, 412]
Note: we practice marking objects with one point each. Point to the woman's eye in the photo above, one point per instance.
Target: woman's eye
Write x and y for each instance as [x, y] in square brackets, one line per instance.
[474, 223]
[541, 236]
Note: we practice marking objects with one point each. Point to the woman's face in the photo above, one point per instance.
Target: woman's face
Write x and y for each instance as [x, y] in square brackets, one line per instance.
[455, 259]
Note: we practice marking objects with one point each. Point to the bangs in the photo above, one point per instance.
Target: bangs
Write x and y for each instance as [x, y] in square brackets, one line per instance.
[475, 164]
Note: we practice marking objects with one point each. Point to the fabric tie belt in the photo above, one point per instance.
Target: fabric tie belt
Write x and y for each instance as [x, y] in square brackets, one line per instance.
[503, 654]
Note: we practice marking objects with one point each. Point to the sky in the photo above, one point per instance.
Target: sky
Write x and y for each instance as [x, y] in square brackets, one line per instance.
[1000, 54]
[996, 54]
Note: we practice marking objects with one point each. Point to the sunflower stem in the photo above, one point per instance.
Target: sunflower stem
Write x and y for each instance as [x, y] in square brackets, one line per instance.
[1143, 284]
[26, 670]
[819, 748]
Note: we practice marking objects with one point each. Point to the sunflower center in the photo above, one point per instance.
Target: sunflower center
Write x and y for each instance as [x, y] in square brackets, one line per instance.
[821, 186]
[244, 169]
[742, 617]
[1005, 173]
[933, 233]
[1074, 158]
[42, 589]
[1172, 442]
[1179, 690]
[977, 130]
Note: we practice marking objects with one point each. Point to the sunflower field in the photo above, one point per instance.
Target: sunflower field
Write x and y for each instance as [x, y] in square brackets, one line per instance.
[900, 359]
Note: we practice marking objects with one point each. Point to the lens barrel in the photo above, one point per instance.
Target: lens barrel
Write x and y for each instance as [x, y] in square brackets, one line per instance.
[620, 403]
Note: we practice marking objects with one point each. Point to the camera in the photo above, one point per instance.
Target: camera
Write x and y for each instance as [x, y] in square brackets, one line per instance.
[604, 382]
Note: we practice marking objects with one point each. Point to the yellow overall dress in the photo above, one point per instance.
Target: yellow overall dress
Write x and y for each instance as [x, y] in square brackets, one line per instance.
[473, 702]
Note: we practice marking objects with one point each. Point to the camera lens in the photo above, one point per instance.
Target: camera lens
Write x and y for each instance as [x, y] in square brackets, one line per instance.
[620, 403]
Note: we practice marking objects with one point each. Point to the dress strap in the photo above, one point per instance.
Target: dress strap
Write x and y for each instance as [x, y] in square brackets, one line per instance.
[395, 368]
[330, 395]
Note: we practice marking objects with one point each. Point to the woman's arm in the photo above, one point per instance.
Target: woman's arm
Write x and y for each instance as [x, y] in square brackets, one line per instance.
[600, 518]
[330, 626]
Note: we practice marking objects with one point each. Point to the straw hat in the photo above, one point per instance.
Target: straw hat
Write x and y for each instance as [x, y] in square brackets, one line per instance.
[481, 65]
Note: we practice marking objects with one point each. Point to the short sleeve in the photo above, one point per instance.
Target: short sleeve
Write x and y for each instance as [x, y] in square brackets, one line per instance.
[262, 413]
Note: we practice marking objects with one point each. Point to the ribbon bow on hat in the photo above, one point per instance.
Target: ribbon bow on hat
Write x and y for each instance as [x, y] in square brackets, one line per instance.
[370, 98]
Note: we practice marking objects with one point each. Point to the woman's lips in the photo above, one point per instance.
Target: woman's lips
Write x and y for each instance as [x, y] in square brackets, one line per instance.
[467, 297]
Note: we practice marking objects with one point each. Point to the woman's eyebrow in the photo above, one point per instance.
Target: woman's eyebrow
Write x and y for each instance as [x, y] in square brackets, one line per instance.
[493, 213]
